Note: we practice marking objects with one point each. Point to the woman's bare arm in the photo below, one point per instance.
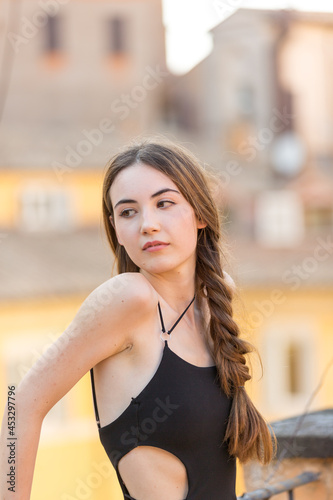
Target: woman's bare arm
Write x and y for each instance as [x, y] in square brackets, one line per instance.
[100, 329]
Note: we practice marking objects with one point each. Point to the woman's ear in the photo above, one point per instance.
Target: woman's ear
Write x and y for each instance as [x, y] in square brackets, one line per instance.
[201, 224]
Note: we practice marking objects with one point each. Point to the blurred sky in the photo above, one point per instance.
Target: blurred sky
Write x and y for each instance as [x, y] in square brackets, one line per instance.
[188, 21]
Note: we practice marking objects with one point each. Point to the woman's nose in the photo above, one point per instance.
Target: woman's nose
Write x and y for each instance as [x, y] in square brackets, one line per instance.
[149, 222]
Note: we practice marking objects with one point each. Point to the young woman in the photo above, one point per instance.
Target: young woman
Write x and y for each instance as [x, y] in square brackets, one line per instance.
[167, 364]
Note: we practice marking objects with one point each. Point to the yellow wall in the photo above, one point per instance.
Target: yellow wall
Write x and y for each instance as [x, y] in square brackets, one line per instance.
[309, 309]
[74, 470]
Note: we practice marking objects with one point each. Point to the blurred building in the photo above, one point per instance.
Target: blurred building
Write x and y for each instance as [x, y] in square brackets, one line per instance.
[89, 76]
[259, 110]
[85, 76]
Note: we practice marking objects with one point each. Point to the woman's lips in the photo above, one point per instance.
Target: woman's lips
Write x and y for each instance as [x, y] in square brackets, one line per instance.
[155, 248]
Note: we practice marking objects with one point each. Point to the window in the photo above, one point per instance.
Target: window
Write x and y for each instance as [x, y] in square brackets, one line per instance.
[294, 356]
[44, 209]
[52, 34]
[117, 36]
[279, 219]
[289, 363]
[245, 100]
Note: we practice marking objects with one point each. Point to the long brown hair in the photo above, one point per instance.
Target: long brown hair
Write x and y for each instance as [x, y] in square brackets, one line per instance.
[247, 434]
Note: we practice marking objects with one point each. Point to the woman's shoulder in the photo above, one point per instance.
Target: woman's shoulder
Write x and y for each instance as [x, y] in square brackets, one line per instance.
[133, 285]
[126, 290]
[109, 312]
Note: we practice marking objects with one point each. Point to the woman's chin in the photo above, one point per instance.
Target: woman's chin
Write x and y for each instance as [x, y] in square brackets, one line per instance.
[163, 268]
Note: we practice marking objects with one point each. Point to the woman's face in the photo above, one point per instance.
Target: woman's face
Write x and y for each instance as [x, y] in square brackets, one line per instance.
[148, 207]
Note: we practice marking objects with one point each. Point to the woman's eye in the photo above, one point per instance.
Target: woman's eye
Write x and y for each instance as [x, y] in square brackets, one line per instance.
[125, 213]
[165, 201]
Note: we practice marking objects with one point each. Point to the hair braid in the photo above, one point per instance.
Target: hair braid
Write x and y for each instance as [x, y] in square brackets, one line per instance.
[246, 428]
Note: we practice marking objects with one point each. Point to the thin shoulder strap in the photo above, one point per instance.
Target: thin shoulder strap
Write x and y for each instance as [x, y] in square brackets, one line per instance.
[94, 398]
[176, 323]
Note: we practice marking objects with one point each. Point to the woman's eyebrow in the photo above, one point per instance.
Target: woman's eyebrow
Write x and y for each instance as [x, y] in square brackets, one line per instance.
[161, 191]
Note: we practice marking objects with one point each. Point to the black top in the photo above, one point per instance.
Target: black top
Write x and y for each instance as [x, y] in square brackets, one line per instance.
[184, 411]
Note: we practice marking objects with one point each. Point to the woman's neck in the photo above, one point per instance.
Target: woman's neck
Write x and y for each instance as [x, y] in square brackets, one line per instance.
[176, 290]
